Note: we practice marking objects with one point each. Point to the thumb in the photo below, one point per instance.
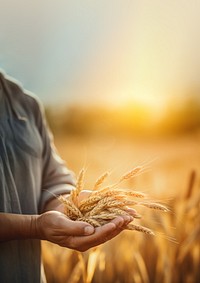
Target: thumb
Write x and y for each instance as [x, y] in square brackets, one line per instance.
[77, 228]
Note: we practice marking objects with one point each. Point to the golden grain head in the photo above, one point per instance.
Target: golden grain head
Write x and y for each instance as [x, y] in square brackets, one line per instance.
[100, 181]
[105, 204]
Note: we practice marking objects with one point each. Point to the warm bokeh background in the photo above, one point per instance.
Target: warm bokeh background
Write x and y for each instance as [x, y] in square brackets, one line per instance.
[121, 87]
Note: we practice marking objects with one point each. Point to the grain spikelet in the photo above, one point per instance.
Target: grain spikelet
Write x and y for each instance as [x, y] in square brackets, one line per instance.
[116, 192]
[124, 193]
[100, 181]
[79, 185]
[71, 209]
[100, 191]
[73, 196]
[89, 201]
[87, 208]
[89, 220]
[156, 206]
[107, 203]
[130, 174]
[120, 211]
[134, 194]
[139, 228]
[105, 216]
[117, 211]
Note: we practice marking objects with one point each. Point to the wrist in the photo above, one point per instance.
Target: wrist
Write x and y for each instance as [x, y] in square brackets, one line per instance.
[34, 232]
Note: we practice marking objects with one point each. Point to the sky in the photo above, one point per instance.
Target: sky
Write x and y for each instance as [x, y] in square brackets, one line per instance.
[108, 51]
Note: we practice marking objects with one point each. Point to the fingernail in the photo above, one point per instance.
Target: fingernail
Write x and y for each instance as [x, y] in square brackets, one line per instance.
[88, 230]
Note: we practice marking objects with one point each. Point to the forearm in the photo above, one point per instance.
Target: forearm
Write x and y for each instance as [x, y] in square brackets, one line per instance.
[17, 226]
[55, 204]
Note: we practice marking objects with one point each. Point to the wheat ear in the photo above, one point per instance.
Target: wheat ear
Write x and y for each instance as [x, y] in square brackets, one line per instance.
[140, 229]
[100, 181]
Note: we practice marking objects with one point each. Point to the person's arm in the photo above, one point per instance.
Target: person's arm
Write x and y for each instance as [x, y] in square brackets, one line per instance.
[55, 204]
[55, 227]
[16, 226]
[44, 226]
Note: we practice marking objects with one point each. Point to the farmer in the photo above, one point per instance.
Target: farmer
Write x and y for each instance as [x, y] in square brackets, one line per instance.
[31, 174]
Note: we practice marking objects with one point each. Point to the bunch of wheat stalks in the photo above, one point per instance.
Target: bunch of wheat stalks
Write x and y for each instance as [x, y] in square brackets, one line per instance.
[105, 204]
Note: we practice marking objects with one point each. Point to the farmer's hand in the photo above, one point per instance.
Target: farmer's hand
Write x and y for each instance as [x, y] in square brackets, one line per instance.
[57, 228]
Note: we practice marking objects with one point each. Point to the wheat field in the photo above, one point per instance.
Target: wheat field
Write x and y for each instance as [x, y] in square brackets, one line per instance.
[171, 176]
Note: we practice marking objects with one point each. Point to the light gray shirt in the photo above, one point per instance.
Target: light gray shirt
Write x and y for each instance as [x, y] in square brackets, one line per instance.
[30, 173]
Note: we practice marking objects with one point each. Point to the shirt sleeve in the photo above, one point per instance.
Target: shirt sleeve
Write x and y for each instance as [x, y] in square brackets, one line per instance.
[56, 177]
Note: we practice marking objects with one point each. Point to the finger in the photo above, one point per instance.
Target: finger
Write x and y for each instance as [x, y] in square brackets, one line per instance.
[76, 228]
[122, 220]
[131, 211]
[102, 234]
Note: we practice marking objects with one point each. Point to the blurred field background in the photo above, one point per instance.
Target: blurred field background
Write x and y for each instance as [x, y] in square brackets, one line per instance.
[116, 140]
[121, 87]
